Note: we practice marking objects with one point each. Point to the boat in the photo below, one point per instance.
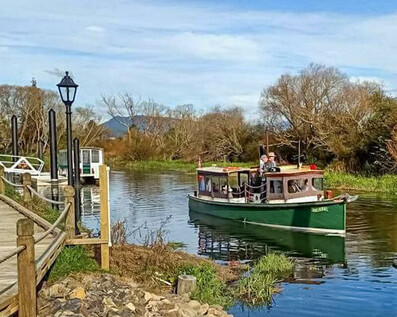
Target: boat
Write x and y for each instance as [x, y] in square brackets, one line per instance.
[283, 198]
[90, 160]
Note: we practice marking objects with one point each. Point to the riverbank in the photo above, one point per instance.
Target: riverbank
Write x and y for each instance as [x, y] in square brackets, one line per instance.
[386, 184]
[146, 273]
[344, 181]
[175, 165]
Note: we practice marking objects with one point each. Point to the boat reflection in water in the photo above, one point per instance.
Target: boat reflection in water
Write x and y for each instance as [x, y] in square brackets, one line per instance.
[90, 208]
[225, 240]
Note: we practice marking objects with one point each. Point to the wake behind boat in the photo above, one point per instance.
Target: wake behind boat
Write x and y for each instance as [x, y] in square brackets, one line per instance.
[287, 198]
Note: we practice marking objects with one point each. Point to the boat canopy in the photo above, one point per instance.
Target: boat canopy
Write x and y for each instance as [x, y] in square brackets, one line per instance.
[288, 184]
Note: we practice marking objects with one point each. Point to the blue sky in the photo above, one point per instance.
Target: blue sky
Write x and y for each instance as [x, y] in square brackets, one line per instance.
[201, 52]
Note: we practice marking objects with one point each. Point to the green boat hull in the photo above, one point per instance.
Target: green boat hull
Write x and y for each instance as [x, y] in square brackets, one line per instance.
[326, 217]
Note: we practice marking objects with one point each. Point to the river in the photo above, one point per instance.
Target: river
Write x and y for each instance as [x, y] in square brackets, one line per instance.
[352, 276]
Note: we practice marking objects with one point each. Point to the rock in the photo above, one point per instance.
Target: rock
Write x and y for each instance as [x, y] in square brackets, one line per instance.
[58, 290]
[172, 313]
[108, 302]
[73, 305]
[185, 297]
[131, 307]
[203, 309]
[217, 307]
[149, 296]
[184, 312]
[78, 292]
[194, 305]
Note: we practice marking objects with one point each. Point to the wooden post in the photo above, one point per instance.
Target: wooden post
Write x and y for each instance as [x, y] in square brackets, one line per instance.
[26, 269]
[2, 187]
[27, 196]
[70, 224]
[186, 284]
[104, 198]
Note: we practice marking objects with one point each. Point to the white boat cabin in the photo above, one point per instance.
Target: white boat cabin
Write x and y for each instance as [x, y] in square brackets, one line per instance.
[90, 159]
[245, 185]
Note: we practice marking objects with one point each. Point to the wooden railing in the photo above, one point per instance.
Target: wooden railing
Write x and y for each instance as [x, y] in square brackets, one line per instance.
[30, 272]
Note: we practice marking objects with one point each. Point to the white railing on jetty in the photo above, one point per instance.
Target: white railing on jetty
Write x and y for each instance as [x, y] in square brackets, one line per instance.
[21, 164]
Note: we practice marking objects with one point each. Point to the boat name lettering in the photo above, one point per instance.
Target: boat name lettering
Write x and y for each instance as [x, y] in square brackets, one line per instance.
[319, 209]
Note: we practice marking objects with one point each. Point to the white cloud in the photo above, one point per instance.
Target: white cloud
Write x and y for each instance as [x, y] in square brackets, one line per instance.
[94, 28]
[182, 53]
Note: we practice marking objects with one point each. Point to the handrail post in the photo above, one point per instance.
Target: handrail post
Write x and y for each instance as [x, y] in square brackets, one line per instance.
[27, 196]
[26, 269]
[2, 187]
[70, 224]
[104, 199]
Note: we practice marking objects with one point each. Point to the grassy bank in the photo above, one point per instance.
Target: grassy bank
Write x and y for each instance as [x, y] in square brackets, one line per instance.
[381, 184]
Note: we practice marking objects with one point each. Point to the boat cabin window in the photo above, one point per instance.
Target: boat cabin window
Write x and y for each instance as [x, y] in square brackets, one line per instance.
[86, 157]
[208, 184]
[275, 188]
[95, 156]
[318, 183]
[298, 185]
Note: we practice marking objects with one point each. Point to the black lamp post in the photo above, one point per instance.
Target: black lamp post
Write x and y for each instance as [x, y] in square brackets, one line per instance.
[67, 89]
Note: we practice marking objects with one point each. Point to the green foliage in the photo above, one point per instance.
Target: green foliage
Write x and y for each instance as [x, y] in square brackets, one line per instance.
[260, 285]
[169, 165]
[175, 245]
[210, 289]
[72, 260]
[382, 184]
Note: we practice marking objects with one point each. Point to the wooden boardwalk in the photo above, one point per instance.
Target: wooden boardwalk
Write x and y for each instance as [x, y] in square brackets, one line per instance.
[8, 237]
[46, 250]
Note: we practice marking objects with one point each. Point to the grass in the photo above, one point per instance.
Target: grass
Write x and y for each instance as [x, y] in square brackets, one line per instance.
[72, 260]
[167, 165]
[380, 184]
[210, 288]
[259, 286]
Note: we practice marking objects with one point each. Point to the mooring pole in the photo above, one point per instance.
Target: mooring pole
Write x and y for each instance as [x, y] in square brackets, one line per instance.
[267, 142]
[77, 197]
[53, 156]
[299, 153]
[14, 127]
[41, 146]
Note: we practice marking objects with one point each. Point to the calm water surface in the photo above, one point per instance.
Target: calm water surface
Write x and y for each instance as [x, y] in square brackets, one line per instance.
[350, 276]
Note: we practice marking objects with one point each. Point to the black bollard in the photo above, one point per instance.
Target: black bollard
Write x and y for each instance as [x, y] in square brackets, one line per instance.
[14, 127]
[53, 156]
[41, 146]
[53, 145]
[77, 196]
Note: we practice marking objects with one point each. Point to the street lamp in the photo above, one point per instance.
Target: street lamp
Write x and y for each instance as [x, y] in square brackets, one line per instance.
[67, 89]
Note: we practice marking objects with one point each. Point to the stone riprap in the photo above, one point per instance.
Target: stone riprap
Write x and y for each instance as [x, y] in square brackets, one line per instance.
[105, 295]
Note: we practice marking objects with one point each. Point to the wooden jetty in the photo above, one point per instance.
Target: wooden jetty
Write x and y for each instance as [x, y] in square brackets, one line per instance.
[29, 245]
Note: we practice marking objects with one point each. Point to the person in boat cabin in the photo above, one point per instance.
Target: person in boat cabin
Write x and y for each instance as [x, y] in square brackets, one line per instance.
[262, 163]
[271, 162]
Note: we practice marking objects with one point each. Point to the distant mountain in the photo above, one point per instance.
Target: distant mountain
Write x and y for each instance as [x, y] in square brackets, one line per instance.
[117, 126]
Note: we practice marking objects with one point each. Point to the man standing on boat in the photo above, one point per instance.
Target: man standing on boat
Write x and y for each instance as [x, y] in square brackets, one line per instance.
[263, 163]
[271, 162]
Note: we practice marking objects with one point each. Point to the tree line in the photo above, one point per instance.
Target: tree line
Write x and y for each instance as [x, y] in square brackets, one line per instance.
[339, 122]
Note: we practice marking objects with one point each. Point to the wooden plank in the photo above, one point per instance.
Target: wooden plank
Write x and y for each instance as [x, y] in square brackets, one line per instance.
[27, 213]
[44, 263]
[86, 241]
[104, 215]
[70, 221]
[9, 307]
